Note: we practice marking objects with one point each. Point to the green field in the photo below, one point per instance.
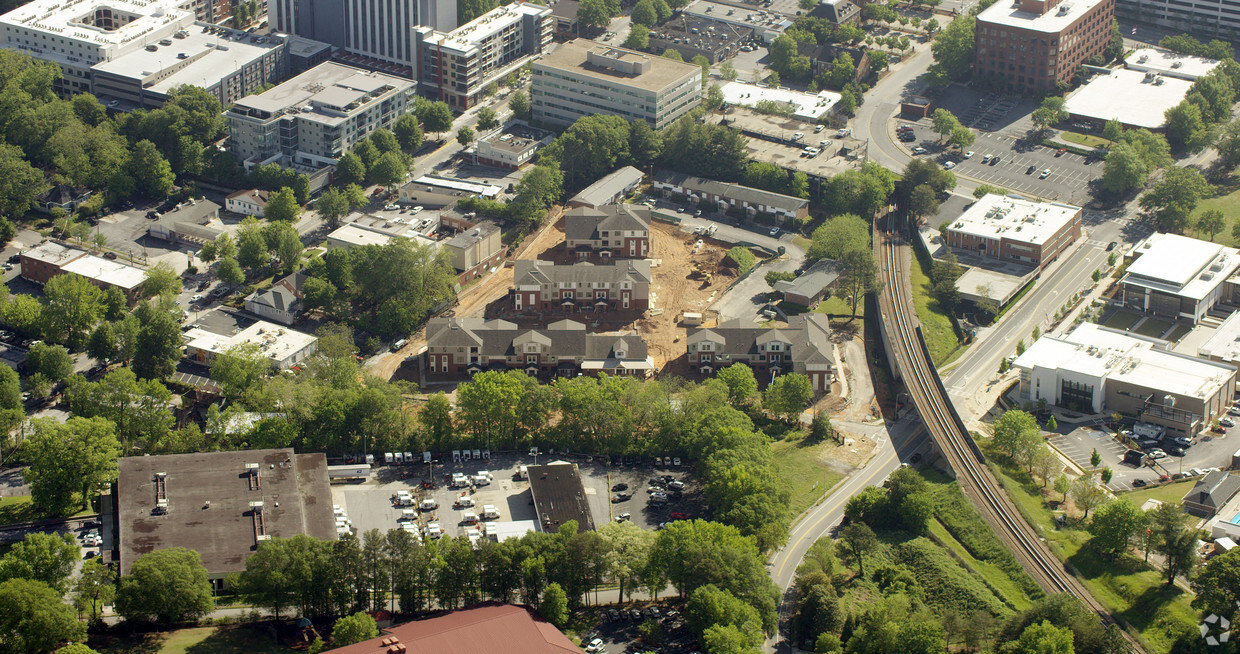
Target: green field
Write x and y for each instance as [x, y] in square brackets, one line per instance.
[1229, 204]
[15, 509]
[1125, 585]
[1153, 327]
[1085, 140]
[935, 325]
[197, 640]
[808, 477]
[838, 306]
[1122, 320]
[1172, 493]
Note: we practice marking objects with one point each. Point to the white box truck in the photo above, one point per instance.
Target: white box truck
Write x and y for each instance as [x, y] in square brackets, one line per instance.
[409, 457]
[464, 502]
[469, 517]
[387, 458]
[523, 472]
[489, 512]
[428, 505]
[400, 457]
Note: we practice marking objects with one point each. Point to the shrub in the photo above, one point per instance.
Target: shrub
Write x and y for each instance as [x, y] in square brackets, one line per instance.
[743, 258]
[962, 521]
[947, 584]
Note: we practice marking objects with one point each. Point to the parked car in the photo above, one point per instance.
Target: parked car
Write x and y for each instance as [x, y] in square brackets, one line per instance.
[987, 158]
[595, 645]
[994, 161]
[622, 497]
[1046, 172]
[1227, 422]
[774, 231]
[1176, 451]
[623, 517]
[1183, 441]
[949, 165]
[1157, 454]
[1059, 152]
[620, 487]
[919, 150]
[1030, 169]
[1138, 483]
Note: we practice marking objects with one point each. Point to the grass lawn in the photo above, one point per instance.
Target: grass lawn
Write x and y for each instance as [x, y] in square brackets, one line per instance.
[1172, 493]
[197, 640]
[15, 509]
[1122, 320]
[1085, 140]
[995, 577]
[1181, 330]
[1125, 584]
[838, 306]
[802, 467]
[936, 325]
[1229, 204]
[1154, 327]
[802, 242]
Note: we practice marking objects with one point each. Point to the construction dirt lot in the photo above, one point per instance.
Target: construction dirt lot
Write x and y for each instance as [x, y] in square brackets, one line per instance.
[687, 275]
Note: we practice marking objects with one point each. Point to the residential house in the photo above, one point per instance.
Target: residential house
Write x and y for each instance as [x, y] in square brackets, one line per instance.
[481, 628]
[811, 285]
[822, 58]
[281, 303]
[1211, 493]
[248, 202]
[609, 189]
[457, 348]
[610, 231]
[803, 347]
[727, 196]
[583, 286]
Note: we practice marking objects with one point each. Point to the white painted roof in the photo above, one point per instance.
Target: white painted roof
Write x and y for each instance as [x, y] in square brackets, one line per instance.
[487, 25]
[1127, 96]
[1181, 265]
[109, 272]
[806, 106]
[1008, 14]
[1224, 343]
[276, 342]
[1170, 63]
[1026, 221]
[64, 19]
[204, 61]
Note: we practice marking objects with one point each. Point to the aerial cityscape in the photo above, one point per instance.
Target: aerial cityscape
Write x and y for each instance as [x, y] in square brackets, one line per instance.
[619, 326]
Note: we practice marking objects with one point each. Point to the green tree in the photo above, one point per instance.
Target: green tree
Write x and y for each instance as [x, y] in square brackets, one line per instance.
[465, 135]
[788, 395]
[644, 13]
[923, 201]
[1185, 127]
[408, 132]
[1217, 586]
[72, 309]
[742, 385]
[384, 140]
[48, 558]
[590, 148]
[1063, 484]
[1087, 494]
[593, 13]
[1114, 525]
[860, 539]
[554, 605]
[1016, 433]
[350, 170]
[1172, 200]
[1113, 130]
[166, 586]
[94, 588]
[953, 51]
[390, 169]
[229, 272]
[487, 119]
[20, 182]
[1211, 221]
[1174, 540]
[53, 362]
[435, 116]
[282, 206]
[1124, 169]
[239, 370]
[353, 629]
[858, 277]
[944, 122]
[77, 457]
[34, 619]
[638, 39]
[1043, 638]
[158, 343]
[519, 103]
[151, 172]
[710, 606]
[333, 205]
[837, 236]
[1050, 113]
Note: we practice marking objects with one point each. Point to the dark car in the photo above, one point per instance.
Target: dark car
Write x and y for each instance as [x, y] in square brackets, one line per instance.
[620, 487]
[152, 215]
[1138, 483]
[203, 286]
[1030, 169]
[994, 161]
[915, 458]
[635, 614]
[15, 258]
[1176, 451]
[622, 497]
[1111, 245]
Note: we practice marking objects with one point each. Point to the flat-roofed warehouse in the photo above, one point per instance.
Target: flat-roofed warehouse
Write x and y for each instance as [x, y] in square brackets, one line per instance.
[559, 496]
[220, 504]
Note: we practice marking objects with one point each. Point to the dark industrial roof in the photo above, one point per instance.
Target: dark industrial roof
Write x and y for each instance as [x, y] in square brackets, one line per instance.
[209, 499]
[731, 191]
[546, 273]
[559, 496]
[486, 628]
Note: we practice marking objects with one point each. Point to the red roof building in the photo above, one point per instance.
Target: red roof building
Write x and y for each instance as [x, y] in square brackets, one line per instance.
[487, 628]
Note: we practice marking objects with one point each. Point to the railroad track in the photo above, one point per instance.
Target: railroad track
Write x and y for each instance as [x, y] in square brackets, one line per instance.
[944, 424]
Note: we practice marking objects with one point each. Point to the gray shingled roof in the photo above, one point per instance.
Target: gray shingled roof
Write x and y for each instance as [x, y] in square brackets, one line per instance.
[585, 223]
[1215, 489]
[742, 338]
[546, 273]
[565, 338]
[284, 295]
[809, 283]
[748, 194]
[605, 189]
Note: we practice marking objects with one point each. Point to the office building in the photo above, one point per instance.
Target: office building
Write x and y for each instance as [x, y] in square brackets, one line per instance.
[1035, 45]
[281, 346]
[311, 120]
[1138, 100]
[77, 35]
[457, 66]
[41, 263]
[542, 286]
[1206, 19]
[229, 64]
[1100, 370]
[1013, 229]
[223, 505]
[694, 35]
[1179, 277]
[804, 347]
[379, 30]
[511, 147]
[458, 348]
[1170, 64]
[839, 12]
[486, 627]
[583, 78]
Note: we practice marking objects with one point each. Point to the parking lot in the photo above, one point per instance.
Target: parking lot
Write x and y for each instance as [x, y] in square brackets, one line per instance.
[369, 504]
[1209, 451]
[618, 628]
[1019, 166]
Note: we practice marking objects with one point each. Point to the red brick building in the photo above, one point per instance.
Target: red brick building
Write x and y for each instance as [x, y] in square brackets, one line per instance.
[803, 347]
[545, 286]
[1035, 44]
[612, 230]
[1009, 229]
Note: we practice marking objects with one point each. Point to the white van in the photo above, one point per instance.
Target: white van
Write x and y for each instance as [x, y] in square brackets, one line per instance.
[469, 517]
[489, 512]
[523, 472]
[408, 515]
[409, 457]
[433, 531]
[400, 457]
[387, 458]
[481, 480]
[464, 502]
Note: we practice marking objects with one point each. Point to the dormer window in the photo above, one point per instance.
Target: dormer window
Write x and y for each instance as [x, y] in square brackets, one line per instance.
[619, 354]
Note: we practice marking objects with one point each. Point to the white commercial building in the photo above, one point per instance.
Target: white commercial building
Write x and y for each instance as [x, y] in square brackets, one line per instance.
[1096, 369]
[456, 186]
[229, 64]
[1136, 99]
[1203, 18]
[353, 236]
[1223, 345]
[76, 34]
[311, 120]
[1171, 64]
[583, 78]
[457, 66]
[806, 106]
[282, 346]
[1179, 277]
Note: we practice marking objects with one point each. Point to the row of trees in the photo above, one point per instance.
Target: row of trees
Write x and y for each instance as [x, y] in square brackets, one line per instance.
[1191, 125]
[845, 239]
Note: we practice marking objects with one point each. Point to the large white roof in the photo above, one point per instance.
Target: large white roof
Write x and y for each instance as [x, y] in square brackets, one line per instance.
[1181, 265]
[1001, 217]
[276, 342]
[139, 21]
[1224, 343]
[197, 57]
[1062, 15]
[109, 272]
[1105, 353]
[806, 106]
[1129, 97]
[478, 30]
[1170, 63]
